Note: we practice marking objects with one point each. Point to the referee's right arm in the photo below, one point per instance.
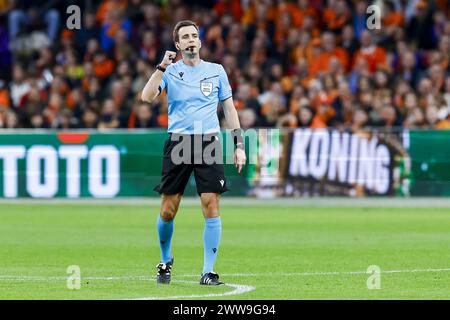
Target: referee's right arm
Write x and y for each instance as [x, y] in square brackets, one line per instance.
[150, 91]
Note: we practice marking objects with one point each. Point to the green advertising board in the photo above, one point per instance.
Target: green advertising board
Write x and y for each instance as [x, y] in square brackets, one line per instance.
[430, 154]
[45, 164]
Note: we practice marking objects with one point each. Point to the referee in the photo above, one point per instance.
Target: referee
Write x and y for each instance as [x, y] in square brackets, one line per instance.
[194, 88]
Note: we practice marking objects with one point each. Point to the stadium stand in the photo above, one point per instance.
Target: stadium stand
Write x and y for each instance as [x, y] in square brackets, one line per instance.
[290, 63]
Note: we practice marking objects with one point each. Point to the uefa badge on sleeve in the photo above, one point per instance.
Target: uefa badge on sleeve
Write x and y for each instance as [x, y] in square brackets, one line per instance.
[206, 88]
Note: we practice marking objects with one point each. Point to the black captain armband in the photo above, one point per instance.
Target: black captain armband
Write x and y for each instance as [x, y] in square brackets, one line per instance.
[238, 139]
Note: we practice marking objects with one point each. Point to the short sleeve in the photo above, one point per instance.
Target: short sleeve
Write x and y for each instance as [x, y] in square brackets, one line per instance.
[224, 85]
[163, 83]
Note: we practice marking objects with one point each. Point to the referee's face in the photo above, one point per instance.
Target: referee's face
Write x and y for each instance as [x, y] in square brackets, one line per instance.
[188, 38]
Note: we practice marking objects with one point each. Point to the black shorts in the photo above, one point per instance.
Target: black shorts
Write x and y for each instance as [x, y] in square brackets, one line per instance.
[209, 174]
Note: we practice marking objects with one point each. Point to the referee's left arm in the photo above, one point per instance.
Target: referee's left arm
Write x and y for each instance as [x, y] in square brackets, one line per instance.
[231, 115]
[232, 118]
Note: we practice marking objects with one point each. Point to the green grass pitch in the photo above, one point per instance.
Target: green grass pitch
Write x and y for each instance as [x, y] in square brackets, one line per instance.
[266, 252]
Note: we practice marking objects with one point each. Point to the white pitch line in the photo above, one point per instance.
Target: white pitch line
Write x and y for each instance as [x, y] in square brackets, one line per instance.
[373, 202]
[238, 289]
[289, 274]
[268, 274]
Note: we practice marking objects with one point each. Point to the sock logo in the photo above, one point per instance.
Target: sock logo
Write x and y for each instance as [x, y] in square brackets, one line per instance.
[214, 250]
[162, 242]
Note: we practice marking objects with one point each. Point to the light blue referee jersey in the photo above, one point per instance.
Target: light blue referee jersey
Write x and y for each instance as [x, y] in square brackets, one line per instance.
[193, 94]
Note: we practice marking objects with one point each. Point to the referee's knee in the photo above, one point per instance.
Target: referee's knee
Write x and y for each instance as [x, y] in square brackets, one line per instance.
[210, 206]
[169, 206]
[167, 214]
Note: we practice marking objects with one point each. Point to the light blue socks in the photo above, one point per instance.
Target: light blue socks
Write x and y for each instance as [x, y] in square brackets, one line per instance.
[165, 232]
[211, 240]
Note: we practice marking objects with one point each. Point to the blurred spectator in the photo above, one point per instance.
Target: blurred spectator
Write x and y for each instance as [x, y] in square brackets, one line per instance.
[149, 49]
[37, 121]
[247, 118]
[112, 18]
[89, 119]
[374, 55]
[151, 21]
[143, 73]
[336, 15]
[305, 117]
[388, 116]
[122, 51]
[229, 6]
[4, 95]
[329, 50]
[29, 15]
[343, 105]
[408, 69]
[109, 116]
[11, 121]
[446, 95]
[324, 111]
[5, 55]
[52, 110]
[360, 119]
[103, 66]
[19, 86]
[349, 42]
[31, 104]
[66, 121]
[420, 27]
[359, 18]
[3, 115]
[142, 117]
[391, 16]
[245, 99]
[432, 116]
[415, 119]
[90, 30]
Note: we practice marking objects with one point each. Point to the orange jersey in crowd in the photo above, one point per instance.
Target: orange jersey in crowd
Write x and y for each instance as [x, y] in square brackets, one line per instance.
[4, 98]
[322, 62]
[393, 19]
[109, 5]
[335, 21]
[374, 56]
[232, 6]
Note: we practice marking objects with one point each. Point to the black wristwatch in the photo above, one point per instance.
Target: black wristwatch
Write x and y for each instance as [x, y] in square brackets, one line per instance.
[158, 67]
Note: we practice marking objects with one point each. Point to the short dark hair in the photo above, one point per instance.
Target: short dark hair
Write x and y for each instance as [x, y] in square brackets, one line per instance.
[181, 24]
